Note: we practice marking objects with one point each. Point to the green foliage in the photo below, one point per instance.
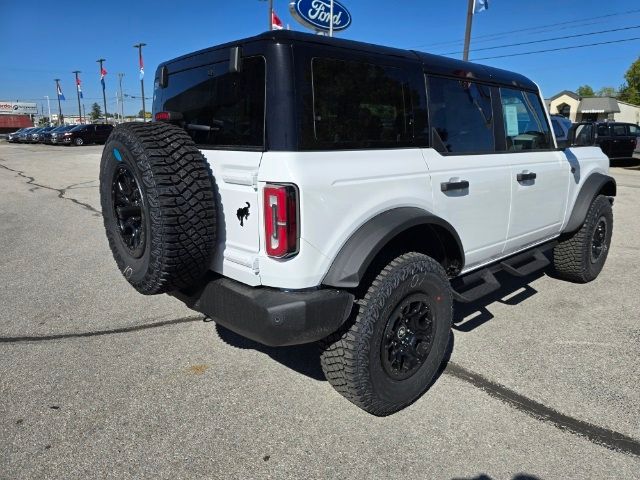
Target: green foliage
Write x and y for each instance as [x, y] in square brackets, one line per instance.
[630, 91]
[43, 122]
[607, 92]
[96, 112]
[146, 114]
[585, 91]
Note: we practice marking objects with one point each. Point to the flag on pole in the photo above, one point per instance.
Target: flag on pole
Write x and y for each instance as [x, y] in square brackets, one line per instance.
[480, 5]
[276, 23]
[141, 66]
[103, 72]
[60, 94]
[79, 87]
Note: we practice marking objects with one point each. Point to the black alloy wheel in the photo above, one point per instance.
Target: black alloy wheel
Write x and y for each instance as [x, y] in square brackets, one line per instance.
[127, 202]
[598, 240]
[408, 337]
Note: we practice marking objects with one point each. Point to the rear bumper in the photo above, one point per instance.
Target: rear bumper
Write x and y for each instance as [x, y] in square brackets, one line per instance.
[270, 316]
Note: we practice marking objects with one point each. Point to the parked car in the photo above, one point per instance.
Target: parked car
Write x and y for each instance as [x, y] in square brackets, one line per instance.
[616, 139]
[561, 126]
[347, 205]
[84, 134]
[52, 137]
[38, 135]
[25, 135]
[14, 136]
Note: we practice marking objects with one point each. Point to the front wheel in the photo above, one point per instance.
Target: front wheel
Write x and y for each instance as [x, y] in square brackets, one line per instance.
[388, 356]
[581, 257]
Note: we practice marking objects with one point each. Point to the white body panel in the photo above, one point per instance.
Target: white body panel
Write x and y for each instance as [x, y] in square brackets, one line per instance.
[342, 190]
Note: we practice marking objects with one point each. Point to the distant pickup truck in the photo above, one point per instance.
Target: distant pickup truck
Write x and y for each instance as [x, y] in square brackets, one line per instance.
[616, 140]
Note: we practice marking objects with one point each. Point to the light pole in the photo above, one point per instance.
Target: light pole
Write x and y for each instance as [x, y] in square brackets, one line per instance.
[78, 94]
[48, 108]
[467, 32]
[270, 24]
[331, 19]
[139, 47]
[120, 75]
[104, 95]
[60, 119]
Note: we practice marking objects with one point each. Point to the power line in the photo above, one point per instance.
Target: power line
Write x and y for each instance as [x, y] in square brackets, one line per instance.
[558, 49]
[520, 30]
[548, 39]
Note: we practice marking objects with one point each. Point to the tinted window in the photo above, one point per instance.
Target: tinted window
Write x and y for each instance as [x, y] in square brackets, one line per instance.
[359, 105]
[460, 115]
[584, 135]
[634, 130]
[557, 129]
[525, 123]
[221, 108]
[620, 130]
[603, 130]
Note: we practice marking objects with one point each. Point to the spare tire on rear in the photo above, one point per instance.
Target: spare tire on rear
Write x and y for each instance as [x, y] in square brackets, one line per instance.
[158, 205]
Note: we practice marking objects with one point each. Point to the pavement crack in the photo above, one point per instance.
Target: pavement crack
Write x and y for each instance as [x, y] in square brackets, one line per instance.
[135, 328]
[595, 434]
[60, 191]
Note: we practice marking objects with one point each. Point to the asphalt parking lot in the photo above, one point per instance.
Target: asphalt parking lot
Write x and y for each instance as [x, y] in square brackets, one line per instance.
[97, 381]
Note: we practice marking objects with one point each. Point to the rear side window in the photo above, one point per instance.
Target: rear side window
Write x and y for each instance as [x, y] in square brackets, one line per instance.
[620, 130]
[221, 108]
[460, 116]
[634, 130]
[603, 130]
[525, 123]
[359, 105]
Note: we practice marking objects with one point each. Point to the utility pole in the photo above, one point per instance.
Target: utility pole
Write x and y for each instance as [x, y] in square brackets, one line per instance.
[139, 47]
[331, 18]
[467, 34]
[48, 108]
[60, 119]
[120, 75]
[84, 113]
[104, 95]
[78, 94]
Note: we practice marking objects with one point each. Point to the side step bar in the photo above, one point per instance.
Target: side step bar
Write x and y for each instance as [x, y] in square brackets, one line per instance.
[477, 284]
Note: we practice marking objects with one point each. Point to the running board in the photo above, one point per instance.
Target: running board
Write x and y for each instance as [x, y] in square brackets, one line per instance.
[477, 284]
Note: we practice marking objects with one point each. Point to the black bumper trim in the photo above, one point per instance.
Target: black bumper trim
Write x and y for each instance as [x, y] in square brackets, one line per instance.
[270, 316]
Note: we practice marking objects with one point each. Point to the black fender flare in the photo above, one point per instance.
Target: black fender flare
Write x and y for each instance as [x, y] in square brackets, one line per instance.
[593, 185]
[355, 256]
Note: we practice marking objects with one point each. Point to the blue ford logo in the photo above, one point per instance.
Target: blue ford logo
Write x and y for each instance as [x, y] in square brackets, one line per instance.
[316, 15]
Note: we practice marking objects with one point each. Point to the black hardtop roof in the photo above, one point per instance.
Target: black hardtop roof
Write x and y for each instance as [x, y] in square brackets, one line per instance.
[432, 63]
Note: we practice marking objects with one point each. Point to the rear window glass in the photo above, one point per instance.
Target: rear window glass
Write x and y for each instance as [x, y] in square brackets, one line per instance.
[460, 116]
[358, 105]
[634, 130]
[221, 108]
[620, 130]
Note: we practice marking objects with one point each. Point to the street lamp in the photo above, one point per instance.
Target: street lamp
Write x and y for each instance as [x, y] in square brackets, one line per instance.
[104, 95]
[139, 47]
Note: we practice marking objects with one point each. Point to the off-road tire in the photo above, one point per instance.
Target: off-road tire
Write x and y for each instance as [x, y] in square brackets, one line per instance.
[572, 256]
[179, 210]
[351, 358]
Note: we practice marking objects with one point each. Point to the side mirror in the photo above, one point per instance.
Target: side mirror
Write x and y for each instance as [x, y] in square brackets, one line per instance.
[582, 135]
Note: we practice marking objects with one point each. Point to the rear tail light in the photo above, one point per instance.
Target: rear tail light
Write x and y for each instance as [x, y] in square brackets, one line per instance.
[281, 220]
[167, 116]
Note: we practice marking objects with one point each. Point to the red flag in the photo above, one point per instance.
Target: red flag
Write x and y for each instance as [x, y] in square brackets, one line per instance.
[276, 23]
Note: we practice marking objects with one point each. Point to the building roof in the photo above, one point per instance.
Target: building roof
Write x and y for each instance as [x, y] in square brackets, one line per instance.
[569, 93]
[598, 105]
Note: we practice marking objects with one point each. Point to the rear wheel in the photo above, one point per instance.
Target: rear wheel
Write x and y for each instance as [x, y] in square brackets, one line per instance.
[157, 196]
[581, 257]
[78, 141]
[387, 357]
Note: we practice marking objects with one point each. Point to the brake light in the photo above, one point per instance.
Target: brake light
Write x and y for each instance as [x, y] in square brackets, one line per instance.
[281, 220]
[163, 116]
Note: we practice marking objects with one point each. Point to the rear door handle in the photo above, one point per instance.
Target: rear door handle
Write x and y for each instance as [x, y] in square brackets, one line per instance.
[521, 177]
[459, 185]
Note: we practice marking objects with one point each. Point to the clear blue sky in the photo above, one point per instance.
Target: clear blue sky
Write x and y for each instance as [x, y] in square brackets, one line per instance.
[43, 40]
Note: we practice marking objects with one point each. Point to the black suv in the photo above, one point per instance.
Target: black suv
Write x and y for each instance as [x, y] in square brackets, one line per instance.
[616, 139]
[82, 134]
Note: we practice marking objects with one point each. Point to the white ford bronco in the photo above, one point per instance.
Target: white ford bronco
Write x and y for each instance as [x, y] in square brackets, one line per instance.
[299, 188]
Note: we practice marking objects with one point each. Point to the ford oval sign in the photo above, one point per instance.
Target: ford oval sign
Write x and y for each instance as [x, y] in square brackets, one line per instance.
[316, 15]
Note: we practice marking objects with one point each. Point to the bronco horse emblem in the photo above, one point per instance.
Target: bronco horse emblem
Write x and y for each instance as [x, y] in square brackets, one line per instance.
[243, 213]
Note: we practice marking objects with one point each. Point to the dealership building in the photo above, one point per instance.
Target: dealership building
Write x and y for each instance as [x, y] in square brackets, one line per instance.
[14, 115]
[592, 109]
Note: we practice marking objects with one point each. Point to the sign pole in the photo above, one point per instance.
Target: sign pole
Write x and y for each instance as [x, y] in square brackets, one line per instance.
[104, 94]
[48, 108]
[270, 15]
[60, 119]
[467, 34]
[78, 93]
[331, 18]
[144, 110]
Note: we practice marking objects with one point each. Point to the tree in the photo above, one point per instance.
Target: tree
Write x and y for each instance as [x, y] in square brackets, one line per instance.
[96, 112]
[630, 91]
[585, 91]
[607, 92]
[44, 121]
[146, 114]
